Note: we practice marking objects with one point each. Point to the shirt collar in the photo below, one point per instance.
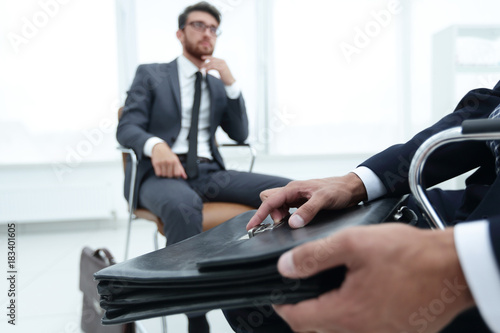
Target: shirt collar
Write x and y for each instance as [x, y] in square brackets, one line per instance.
[186, 67]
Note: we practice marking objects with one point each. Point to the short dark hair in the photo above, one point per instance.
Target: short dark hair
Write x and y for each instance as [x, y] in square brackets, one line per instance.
[202, 6]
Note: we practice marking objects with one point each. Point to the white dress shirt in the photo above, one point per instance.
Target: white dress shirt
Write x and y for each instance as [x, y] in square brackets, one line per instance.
[475, 254]
[187, 76]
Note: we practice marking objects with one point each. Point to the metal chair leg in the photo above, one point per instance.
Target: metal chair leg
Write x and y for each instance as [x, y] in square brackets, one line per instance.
[133, 158]
[129, 227]
[155, 239]
[140, 328]
[164, 324]
[163, 319]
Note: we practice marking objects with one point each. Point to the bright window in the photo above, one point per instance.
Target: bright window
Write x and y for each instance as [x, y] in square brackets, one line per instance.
[58, 88]
[335, 70]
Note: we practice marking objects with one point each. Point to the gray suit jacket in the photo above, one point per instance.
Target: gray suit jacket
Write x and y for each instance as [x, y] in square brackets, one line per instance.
[153, 108]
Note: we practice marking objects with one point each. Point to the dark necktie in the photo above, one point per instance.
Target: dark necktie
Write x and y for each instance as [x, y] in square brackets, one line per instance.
[495, 145]
[192, 155]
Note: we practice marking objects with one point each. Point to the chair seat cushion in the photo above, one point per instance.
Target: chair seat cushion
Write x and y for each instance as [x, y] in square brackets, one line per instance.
[214, 213]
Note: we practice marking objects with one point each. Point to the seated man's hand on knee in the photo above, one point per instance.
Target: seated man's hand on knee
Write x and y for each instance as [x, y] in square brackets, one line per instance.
[166, 163]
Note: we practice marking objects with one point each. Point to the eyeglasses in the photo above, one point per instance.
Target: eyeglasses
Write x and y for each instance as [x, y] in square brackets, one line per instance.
[202, 27]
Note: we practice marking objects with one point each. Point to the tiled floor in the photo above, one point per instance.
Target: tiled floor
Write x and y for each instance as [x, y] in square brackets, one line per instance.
[48, 298]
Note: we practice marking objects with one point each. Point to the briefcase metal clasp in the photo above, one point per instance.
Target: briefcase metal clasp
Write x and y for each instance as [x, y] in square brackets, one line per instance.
[264, 227]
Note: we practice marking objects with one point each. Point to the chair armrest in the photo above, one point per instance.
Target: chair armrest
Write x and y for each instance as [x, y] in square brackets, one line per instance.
[253, 152]
[477, 130]
[125, 150]
[480, 126]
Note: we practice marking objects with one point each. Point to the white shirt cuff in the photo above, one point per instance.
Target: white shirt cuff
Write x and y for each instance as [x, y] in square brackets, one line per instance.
[233, 91]
[373, 185]
[477, 259]
[150, 143]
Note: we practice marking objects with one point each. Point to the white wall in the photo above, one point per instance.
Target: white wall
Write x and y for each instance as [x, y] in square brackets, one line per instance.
[428, 18]
[37, 194]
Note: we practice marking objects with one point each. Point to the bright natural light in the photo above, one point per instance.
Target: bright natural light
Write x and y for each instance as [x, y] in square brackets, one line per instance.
[319, 77]
[335, 69]
[59, 83]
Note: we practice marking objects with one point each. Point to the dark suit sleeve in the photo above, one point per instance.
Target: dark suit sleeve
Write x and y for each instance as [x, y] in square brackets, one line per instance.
[495, 237]
[392, 165]
[234, 120]
[133, 125]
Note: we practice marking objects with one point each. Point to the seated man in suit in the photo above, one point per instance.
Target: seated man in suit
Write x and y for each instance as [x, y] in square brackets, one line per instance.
[400, 278]
[170, 117]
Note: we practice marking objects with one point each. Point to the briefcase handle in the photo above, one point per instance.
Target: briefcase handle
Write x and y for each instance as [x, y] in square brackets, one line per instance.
[104, 255]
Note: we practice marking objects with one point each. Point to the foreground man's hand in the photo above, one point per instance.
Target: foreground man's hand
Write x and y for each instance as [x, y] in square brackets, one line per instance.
[400, 279]
[310, 196]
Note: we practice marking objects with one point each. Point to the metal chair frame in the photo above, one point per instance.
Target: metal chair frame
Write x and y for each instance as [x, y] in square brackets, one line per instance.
[133, 178]
[132, 211]
[477, 130]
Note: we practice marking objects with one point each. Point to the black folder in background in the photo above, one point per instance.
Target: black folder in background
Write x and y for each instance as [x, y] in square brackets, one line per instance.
[224, 268]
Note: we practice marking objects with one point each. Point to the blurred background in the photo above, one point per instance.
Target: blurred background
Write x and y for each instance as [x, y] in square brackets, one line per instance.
[326, 83]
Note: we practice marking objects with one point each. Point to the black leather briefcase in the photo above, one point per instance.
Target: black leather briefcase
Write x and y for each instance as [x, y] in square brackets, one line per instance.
[225, 268]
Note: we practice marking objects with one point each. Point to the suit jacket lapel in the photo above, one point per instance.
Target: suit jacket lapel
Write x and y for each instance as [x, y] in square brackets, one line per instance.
[173, 76]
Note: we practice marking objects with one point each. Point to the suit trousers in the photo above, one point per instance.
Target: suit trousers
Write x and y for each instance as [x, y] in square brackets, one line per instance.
[179, 202]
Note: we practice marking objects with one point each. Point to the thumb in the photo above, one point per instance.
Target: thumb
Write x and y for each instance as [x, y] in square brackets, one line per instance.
[314, 257]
